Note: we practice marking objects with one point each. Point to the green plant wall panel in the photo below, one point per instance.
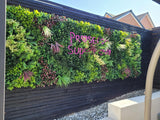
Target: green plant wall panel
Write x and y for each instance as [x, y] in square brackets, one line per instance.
[45, 49]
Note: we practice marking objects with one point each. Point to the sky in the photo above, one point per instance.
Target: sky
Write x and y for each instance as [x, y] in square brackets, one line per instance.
[115, 7]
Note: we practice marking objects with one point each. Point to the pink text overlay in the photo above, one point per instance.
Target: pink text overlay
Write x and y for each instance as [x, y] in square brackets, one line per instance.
[91, 40]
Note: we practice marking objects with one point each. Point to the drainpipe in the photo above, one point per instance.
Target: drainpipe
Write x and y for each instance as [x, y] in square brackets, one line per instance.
[2, 56]
[149, 81]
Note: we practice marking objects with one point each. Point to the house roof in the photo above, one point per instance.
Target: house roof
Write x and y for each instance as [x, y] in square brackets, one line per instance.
[111, 15]
[158, 1]
[121, 15]
[141, 16]
[138, 18]
[126, 13]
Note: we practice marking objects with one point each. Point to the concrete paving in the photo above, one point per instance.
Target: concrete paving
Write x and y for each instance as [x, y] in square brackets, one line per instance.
[106, 118]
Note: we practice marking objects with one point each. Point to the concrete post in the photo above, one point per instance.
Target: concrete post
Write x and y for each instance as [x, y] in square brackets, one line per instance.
[149, 81]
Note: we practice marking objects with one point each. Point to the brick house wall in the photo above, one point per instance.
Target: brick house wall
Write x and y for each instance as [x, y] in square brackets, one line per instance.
[147, 23]
[107, 16]
[129, 19]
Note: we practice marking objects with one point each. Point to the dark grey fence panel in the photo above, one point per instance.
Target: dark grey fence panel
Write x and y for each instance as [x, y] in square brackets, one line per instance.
[146, 52]
[155, 39]
[51, 7]
[52, 102]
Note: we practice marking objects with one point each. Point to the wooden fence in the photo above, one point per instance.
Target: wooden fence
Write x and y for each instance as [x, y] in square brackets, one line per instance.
[155, 39]
[52, 102]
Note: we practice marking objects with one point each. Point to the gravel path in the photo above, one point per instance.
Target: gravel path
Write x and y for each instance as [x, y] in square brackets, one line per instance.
[100, 111]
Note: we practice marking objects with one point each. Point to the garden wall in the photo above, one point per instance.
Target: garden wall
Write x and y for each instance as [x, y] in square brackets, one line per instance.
[155, 39]
[52, 102]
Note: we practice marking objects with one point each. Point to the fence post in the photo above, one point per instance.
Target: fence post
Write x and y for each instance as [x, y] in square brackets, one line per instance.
[2, 56]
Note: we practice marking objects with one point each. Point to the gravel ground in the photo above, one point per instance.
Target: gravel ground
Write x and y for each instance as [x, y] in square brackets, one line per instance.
[100, 111]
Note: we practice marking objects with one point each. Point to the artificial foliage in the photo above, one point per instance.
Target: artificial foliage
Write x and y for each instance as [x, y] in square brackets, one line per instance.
[46, 49]
[21, 57]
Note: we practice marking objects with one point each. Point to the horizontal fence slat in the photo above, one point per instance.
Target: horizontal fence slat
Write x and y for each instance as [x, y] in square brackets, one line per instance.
[68, 99]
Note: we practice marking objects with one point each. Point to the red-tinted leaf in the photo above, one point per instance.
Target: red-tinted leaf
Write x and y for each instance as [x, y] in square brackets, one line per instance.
[27, 75]
[56, 47]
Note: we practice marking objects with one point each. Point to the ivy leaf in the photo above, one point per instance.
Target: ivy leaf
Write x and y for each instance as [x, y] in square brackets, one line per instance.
[24, 65]
[30, 37]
